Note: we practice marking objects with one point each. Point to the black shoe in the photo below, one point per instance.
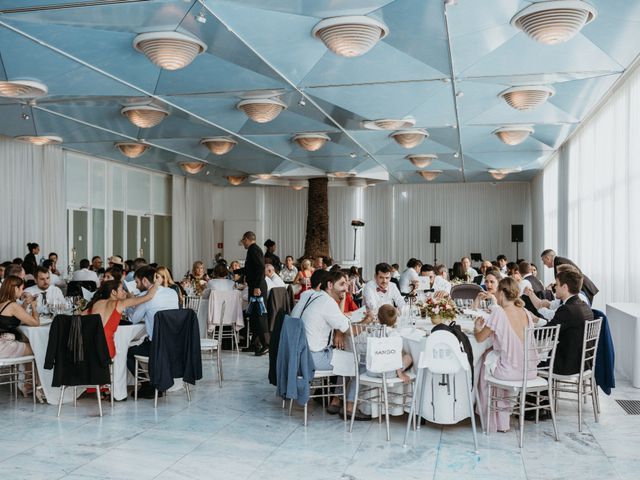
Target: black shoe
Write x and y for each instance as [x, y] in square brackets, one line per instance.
[249, 349]
[333, 409]
[262, 351]
[359, 416]
[150, 395]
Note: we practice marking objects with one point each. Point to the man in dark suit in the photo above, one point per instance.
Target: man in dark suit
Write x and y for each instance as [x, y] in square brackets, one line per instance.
[484, 266]
[253, 272]
[571, 316]
[551, 260]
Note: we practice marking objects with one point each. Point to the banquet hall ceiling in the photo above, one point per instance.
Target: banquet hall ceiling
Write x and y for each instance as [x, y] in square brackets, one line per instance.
[441, 65]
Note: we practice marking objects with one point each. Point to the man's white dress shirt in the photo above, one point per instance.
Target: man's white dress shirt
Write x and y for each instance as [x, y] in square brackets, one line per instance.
[85, 275]
[274, 281]
[441, 285]
[53, 295]
[374, 297]
[408, 276]
[321, 316]
[164, 299]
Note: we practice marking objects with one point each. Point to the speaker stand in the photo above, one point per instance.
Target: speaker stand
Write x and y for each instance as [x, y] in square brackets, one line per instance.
[517, 252]
[435, 259]
[355, 237]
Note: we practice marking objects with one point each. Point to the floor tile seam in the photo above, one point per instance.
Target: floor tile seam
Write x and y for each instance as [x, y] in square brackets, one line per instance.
[438, 447]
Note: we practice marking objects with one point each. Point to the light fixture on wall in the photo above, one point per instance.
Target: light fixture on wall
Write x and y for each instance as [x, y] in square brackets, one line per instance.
[350, 36]
[236, 180]
[219, 145]
[389, 124]
[131, 149]
[298, 184]
[144, 116]
[22, 89]
[192, 167]
[169, 50]
[513, 134]
[261, 110]
[554, 21]
[409, 138]
[421, 160]
[527, 97]
[430, 174]
[311, 142]
[40, 140]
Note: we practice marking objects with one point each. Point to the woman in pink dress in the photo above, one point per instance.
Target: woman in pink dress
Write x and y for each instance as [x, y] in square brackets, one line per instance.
[506, 326]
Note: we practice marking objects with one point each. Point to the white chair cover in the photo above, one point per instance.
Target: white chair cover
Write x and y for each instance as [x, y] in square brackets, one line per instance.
[232, 311]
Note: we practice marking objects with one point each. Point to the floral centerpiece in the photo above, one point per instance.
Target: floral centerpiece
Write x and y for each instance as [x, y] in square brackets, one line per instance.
[439, 309]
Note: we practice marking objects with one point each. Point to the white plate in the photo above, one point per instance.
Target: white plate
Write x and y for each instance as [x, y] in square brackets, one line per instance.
[45, 321]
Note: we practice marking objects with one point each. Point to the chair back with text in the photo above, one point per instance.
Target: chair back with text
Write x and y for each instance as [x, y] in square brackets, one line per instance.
[443, 354]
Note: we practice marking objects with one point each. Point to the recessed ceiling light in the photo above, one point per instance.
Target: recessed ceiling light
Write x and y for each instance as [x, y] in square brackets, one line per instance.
[555, 21]
[131, 149]
[311, 142]
[298, 184]
[357, 182]
[430, 174]
[409, 138]
[350, 36]
[421, 160]
[236, 180]
[169, 50]
[262, 110]
[263, 176]
[527, 97]
[389, 124]
[192, 167]
[498, 174]
[22, 89]
[513, 134]
[40, 139]
[144, 116]
[219, 145]
[342, 174]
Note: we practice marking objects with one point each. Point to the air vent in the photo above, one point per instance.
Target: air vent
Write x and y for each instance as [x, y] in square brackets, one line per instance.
[421, 160]
[132, 150]
[514, 134]
[219, 145]
[409, 138]
[262, 110]
[430, 174]
[192, 167]
[144, 116]
[169, 50]
[527, 98]
[350, 36]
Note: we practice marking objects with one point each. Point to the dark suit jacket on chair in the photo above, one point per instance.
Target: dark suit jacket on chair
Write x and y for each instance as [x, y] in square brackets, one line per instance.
[571, 317]
[588, 287]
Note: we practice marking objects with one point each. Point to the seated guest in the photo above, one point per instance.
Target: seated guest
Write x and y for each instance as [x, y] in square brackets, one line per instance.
[166, 280]
[233, 266]
[458, 273]
[109, 301]
[506, 326]
[55, 279]
[289, 270]
[12, 314]
[2, 267]
[428, 270]
[113, 273]
[164, 299]
[502, 264]
[347, 304]
[197, 273]
[440, 282]
[571, 315]
[321, 315]
[84, 274]
[524, 269]
[317, 278]
[318, 263]
[96, 265]
[132, 266]
[409, 278]
[395, 271]
[468, 269]
[355, 282]
[220, 281]
[44, 291]
[381, 291]
[272, 278]
[536, 285]
[303, 277]
[484, 266]
[16, 270]
[513, 272]
[53, 256]
[547, 308]
[327, 263]
[492, 278]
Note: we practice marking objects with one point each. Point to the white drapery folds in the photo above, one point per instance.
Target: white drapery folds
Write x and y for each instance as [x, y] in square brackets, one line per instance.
[33, 208]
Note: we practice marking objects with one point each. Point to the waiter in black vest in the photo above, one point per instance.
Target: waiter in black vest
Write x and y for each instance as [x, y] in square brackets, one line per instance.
[253, 272]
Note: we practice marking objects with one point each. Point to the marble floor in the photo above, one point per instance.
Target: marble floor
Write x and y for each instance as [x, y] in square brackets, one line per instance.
[241, 432]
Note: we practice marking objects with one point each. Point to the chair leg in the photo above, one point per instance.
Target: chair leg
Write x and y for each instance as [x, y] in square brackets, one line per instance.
[580, 393]
[421, 397]
[305, 414]
[155, 399]
[60, 401]
[412, 409]
[290, 405]
[386, 405]
[99, 399]
[111, 384]
[523, 396]
[344, 399]
[135, 383]
[473, 415]
[482, 425]
[186, 387]
[34, 387]
[552, 409]
[594, 399]
[355, 402]
[487, 420]
[219, 362]
[75, 396]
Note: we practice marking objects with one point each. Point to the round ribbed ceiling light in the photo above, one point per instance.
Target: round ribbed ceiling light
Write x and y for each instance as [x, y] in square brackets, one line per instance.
[430, 174]
[311, 142]
[236, 180]
[22, 89]
[389, 124]
[219, 145]
[144, 116]
[514, 134]
[421, 160]
[263, 176]
[499, 173]
[297, 184]
[527, 98]
[409, 138]
[350, 36]
[554, 21]
[169, 50]
[357, 182]
[132, 149]
[40, 139]
[262, 110]
[192, 167]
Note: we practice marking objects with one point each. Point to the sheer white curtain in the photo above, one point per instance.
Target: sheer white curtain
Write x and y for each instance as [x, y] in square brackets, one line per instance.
[192, 223]
[284, 219]
[345, 205]
[377, 236]
[549, 206]
[33, 208]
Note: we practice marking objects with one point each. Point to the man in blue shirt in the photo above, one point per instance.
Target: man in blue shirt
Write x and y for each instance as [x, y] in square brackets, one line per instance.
[164, 299]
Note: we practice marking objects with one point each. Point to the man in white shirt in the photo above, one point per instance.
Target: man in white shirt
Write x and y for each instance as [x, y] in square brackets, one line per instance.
[321, 315]
[502, 264]
[272, 278]
[44, 291]
[409, 278]
[525, 270]
[55, 279]
[381, 291]
[440, 282]
[468, 269]
[84, 274]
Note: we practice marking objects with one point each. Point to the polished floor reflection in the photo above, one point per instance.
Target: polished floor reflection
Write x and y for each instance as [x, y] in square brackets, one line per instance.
[240, 432]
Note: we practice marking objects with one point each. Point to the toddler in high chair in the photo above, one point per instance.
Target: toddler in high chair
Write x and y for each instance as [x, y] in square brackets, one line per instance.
[388, 315]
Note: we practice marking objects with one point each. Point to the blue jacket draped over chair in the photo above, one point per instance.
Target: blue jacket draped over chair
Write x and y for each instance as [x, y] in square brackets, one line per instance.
[294, 366]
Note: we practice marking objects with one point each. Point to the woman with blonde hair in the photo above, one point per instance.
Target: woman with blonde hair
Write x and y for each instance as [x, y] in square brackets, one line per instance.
[166, 280]
[304, 277]
[506, 326]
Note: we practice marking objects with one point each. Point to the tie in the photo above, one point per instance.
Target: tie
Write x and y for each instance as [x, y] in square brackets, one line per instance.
[381, 290]
[44, 298]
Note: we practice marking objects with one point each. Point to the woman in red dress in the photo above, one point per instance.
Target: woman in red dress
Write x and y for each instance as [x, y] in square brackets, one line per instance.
[304, 277]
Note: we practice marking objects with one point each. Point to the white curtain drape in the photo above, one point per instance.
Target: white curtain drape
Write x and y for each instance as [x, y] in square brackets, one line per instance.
[345, 205]
[192, 223]
[284, 219]
[34, 200]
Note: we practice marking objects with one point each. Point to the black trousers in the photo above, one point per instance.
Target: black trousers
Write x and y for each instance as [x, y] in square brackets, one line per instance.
[259, 329]
[143, 349]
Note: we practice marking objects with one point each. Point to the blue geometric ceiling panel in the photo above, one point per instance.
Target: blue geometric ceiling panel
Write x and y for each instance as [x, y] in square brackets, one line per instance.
[442, 66]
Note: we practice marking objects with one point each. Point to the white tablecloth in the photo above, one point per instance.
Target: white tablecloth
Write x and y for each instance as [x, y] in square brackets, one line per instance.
[39, 338]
